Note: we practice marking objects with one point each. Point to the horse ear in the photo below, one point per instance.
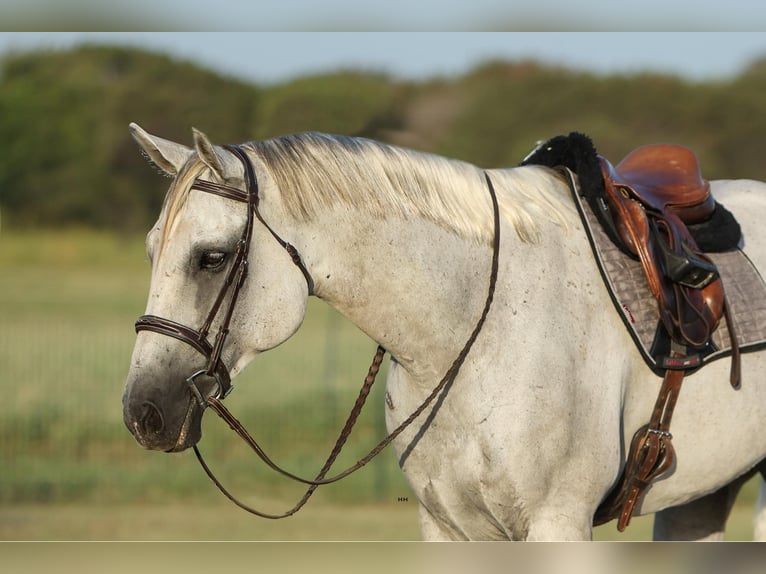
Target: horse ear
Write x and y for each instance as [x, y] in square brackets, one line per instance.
[208, 154]
[166, 155]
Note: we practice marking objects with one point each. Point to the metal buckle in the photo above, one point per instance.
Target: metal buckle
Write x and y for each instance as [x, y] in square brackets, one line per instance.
[219, 394]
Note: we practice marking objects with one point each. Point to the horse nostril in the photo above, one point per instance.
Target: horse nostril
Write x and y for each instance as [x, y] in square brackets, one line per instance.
[150, 419]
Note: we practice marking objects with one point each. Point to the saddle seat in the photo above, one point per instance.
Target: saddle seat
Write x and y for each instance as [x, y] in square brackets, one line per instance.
[665, 176]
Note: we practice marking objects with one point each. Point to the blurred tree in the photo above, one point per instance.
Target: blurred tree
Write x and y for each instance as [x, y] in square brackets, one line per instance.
[347, 103]
[67, 157]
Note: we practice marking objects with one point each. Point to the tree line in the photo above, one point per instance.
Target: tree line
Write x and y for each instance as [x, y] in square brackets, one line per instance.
[68, 158]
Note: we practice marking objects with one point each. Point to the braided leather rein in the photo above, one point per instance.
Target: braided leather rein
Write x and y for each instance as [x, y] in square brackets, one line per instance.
[218, 370]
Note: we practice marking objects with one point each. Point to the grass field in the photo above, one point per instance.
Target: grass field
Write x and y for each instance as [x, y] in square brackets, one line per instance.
[221, 521]
[70, 470]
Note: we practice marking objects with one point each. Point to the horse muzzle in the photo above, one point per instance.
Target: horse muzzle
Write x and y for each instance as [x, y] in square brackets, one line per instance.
[168, 418]
[162, 410]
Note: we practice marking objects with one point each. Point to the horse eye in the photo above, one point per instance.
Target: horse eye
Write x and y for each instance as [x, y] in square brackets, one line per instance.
[212, 260]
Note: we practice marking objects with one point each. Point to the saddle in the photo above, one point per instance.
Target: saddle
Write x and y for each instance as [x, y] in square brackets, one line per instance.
[652, 195]
[649, 204]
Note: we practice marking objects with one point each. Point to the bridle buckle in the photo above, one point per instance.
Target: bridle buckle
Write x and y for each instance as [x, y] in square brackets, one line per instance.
[222, 391]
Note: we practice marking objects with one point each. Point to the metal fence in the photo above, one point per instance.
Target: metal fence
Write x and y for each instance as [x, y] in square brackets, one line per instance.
[62, 435]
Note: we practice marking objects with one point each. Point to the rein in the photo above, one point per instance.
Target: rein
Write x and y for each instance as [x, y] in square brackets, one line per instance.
[217, 369]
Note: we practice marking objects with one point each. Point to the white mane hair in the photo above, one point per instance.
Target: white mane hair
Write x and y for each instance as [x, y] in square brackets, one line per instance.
[316, 171]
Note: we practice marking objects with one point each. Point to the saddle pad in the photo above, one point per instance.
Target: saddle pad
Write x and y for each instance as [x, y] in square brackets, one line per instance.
[624, 277]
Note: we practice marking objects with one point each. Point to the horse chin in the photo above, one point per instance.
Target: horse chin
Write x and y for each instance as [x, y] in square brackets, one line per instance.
[190, 432]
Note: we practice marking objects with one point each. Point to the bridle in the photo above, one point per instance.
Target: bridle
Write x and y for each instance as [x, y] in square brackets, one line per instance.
[216, 368]
[235, 278]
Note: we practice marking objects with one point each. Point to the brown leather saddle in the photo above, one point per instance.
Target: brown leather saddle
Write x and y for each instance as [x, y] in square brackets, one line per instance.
[652, 195]
[648, 204]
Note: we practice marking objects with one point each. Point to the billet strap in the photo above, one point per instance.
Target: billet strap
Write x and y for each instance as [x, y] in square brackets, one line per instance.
[735, 375]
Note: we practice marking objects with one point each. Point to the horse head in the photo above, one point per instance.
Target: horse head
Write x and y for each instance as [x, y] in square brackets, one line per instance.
[221, 291]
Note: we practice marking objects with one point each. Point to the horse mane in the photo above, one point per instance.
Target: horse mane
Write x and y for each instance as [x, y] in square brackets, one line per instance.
[316, 171]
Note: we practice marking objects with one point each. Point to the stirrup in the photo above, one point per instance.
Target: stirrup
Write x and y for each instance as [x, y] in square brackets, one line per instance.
[685, 268]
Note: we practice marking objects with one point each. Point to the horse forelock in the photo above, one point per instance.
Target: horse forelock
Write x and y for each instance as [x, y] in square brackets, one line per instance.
[316, 171]
[177, 196]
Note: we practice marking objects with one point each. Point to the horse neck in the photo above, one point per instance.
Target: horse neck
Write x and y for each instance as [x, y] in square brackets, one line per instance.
[413, 287]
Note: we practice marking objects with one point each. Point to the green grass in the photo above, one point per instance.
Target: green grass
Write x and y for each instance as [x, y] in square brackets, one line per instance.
[197, 518]
[68, 301]
[195, 521]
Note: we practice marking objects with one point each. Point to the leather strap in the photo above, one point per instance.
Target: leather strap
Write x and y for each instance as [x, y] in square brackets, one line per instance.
[651, 453]
[735, 375]
[191, 337]
[254, 201]
[237, 427]
[444, 383]
[198, 339]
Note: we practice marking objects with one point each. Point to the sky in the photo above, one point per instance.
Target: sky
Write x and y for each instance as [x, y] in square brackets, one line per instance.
[271, 57]
[391, 15]
[275, 40]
